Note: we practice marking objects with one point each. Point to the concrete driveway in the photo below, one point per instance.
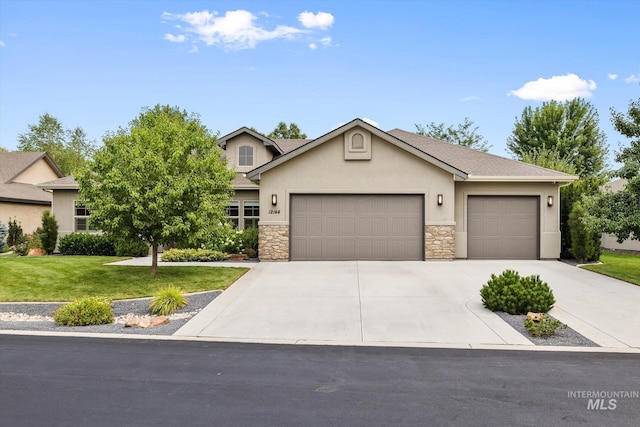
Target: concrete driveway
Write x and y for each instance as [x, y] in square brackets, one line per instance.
[407, 302]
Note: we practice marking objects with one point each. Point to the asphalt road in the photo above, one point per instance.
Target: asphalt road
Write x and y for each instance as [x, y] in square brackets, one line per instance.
[63, 381]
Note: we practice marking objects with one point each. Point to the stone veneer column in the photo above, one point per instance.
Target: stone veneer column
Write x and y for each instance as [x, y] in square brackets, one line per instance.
[440, 241]
[273, 242]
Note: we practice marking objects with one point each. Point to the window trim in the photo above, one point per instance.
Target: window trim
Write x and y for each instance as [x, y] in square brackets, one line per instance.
[86, 217]
[246, 156]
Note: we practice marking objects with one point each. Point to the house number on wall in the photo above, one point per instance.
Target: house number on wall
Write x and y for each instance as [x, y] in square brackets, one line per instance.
[274, 211]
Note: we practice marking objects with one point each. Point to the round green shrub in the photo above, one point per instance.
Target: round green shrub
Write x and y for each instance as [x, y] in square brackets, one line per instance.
[167, 300]
[85, 311]
[132, 248]
[517, 295]
[86, 244]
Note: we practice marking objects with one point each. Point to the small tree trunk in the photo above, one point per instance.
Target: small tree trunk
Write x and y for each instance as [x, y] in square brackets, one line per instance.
[154, 259]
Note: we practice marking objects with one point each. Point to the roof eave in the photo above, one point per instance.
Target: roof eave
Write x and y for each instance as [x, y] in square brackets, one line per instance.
[552, 179]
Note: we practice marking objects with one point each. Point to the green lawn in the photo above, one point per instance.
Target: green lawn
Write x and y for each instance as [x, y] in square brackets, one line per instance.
[620, 266]
[64, 278]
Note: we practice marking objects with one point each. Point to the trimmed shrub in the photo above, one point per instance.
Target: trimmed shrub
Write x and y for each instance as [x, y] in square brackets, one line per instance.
[167, 300]
[15, 236]
[249, 239]
[517, 295]
[4, 230]
[49, 233]
[132, 248]
[226, 239]
[544, 328]
[585, 245]
[28, 242]
[86, 244]
[197, 255]
[85, 311]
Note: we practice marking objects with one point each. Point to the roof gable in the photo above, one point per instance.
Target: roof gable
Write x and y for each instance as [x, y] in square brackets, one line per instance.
[255, 174]
[269, 143]
[13, 164]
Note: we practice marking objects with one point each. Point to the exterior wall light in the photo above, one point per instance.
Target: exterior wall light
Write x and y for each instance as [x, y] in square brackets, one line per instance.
[440, 199]
[549, 201]
[274, 199]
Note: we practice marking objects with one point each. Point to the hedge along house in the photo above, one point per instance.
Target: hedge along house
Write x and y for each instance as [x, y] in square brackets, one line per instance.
[358, 193]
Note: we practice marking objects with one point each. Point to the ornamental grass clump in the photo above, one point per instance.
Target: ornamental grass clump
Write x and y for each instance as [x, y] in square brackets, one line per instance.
[167, 300]
[85, 311]
[545, 327]
[517, 295]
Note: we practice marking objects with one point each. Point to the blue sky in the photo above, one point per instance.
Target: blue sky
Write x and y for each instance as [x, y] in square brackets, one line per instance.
[95, 64]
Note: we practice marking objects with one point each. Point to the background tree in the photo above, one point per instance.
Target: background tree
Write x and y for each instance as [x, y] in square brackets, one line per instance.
[70, 149]
[3, 150]
[571, 128]
[619, 213]
[282, 131]
[49, 232]
[564, 137]
[465, 134]
[160, 180]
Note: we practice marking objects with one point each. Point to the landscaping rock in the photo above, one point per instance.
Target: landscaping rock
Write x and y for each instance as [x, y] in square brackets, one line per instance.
[536, 317]
[146, 322]
[237, 257]
[35, 252]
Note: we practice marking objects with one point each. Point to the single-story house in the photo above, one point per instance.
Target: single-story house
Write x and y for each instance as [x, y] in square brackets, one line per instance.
[359, 193]
[20, 198]
[610, 241]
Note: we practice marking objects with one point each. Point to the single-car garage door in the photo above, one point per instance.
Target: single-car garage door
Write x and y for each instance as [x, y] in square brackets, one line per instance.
[502, 227]
[356, 227]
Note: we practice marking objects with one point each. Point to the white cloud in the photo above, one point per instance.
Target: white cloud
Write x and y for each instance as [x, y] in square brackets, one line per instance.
[470, 98]
[559, 88]
[612, 76]
[313, 46]
[322, 20]
[175, 39]
[634, 78]
[235, 30]
[2, 43]
[194, 49]
[326, 41]
[371, 122]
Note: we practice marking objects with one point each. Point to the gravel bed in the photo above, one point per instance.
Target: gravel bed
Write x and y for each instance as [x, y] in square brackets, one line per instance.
[121, 308]
[562, 337]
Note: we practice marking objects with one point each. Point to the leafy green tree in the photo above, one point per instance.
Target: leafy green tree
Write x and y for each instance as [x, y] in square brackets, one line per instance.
[3, 150]
[70, 149]
[464, 134]
[282, 131]
[49, 232]
[619, 213]
[162, 179]
[571, 128]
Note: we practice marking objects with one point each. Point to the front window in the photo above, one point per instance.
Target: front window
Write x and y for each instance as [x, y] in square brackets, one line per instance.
[81, 218]
[233, 212]
[245, 156]
[251, 213]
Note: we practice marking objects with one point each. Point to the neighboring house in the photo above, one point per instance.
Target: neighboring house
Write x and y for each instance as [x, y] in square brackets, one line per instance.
[610, 241]
[358, 193]
[20, 198]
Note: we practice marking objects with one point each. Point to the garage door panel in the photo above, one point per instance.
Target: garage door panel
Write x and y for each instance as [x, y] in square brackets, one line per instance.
[502, 227]
[371, 227]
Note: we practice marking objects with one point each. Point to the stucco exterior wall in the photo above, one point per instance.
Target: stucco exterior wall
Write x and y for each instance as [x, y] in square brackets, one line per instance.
[37, 173]
[261, 154]
[609, 241]
[323, 170]
[29, 216]
[63, 208]
[549, 216]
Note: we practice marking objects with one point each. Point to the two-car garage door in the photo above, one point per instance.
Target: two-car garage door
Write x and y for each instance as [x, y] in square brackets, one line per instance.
[357, 227]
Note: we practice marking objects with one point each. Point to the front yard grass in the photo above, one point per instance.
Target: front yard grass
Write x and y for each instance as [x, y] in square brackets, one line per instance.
[620, 266]
[65, 278]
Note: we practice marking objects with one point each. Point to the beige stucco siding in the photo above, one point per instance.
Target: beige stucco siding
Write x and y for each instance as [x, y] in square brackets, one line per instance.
[63, 208]
[549, 216]
[261, 154]
[39, 172]
[323, 170]
[28, 215]
[609, 241]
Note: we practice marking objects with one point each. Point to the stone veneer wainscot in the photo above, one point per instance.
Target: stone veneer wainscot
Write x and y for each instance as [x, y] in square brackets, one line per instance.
[440, 241]
[273, 242]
